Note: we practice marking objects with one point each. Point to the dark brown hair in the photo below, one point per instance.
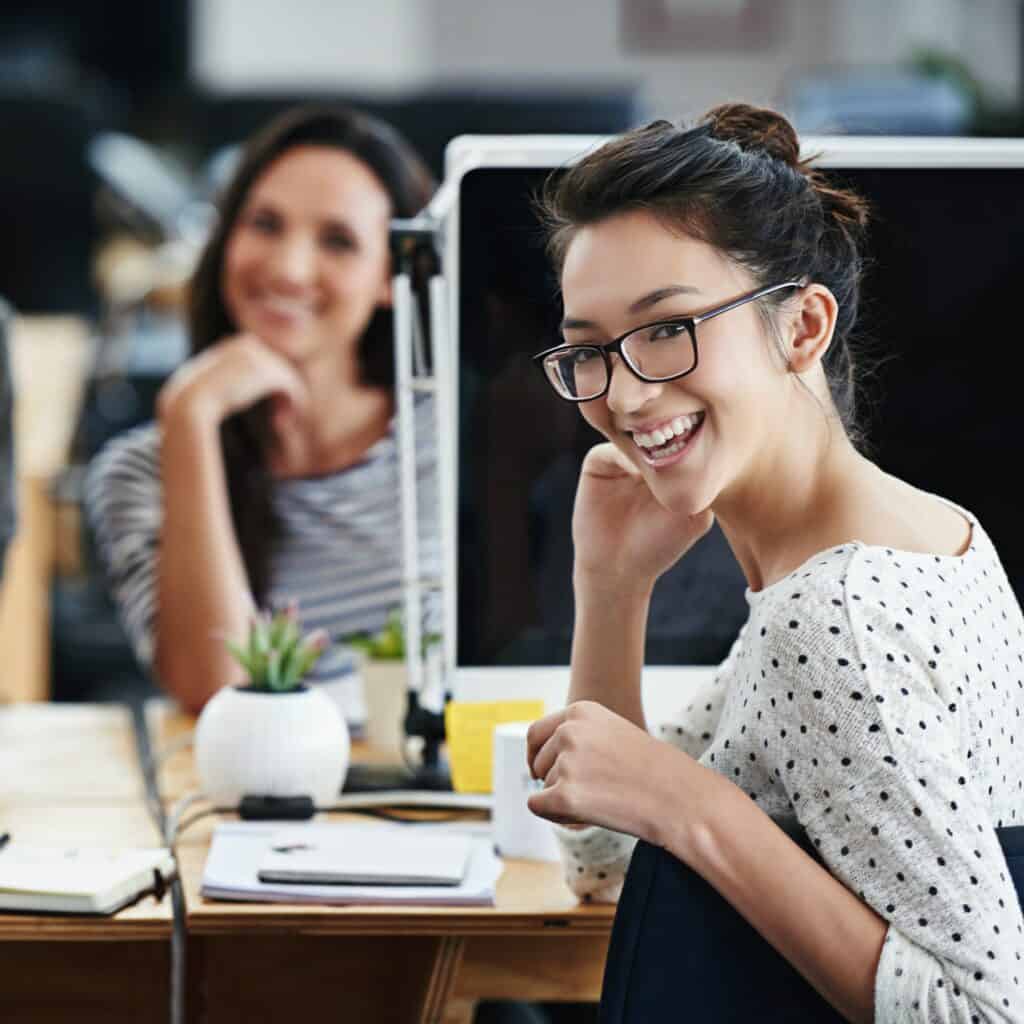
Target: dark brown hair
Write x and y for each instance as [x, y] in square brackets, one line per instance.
[736, 181]
[245, 437]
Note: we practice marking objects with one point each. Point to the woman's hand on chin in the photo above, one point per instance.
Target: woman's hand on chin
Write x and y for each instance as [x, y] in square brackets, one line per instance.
[231, 376]
[600, 769]
[621, 533]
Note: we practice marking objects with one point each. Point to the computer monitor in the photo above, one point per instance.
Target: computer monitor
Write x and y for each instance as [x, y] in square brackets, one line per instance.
[946, 253]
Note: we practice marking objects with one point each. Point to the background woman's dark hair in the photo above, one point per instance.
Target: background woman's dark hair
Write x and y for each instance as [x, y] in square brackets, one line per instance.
[736, 181]
[245, 437]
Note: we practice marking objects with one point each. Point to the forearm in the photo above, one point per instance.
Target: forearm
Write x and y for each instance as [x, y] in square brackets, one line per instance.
[203, 591]
[608, 646]
[830, 936]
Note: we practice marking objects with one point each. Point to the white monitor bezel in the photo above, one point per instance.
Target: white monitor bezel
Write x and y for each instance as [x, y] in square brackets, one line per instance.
[662, 685]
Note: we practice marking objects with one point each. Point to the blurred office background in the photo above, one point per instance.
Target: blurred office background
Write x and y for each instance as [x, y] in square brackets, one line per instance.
[119, 119]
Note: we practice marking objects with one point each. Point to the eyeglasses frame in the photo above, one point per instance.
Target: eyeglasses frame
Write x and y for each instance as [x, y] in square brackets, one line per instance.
[689, 322]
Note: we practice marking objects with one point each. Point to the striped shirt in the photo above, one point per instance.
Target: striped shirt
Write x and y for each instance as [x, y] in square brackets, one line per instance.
[339, 550]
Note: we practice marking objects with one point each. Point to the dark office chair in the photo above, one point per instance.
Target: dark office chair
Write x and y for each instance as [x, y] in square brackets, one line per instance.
[675, 935]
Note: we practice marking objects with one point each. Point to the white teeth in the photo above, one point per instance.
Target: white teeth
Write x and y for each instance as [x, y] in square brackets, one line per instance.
[675, 429]
[289, 307]
[670, 450]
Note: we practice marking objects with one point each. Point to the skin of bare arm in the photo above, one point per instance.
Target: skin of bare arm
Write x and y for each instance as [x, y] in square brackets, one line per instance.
[203, 592]
[624, 541]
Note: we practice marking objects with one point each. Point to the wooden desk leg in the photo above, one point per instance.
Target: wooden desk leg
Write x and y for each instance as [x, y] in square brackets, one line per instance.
[442, 980]
[459, 1011]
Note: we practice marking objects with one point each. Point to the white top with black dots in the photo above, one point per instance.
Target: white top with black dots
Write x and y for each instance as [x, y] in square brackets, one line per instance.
[875, 695]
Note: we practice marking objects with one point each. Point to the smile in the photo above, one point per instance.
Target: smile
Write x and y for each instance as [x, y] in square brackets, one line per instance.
[668, 440]
[279, 306]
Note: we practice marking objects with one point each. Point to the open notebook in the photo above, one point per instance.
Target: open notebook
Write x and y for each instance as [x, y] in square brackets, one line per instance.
[410, 865]
[79, 880]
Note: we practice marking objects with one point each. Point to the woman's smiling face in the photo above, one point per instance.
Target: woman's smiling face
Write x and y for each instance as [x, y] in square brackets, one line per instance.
[306, 261]
[630, 270]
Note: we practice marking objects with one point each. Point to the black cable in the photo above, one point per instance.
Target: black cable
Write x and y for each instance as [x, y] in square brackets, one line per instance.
[154, 806]
[384, 813]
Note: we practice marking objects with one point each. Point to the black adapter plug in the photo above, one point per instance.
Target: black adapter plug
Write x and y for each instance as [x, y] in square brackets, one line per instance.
[257, 807]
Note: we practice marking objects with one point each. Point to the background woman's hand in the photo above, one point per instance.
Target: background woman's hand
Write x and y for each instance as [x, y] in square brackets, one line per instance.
[234, 375]
[231, 376]
[619, 529]
[601, 769]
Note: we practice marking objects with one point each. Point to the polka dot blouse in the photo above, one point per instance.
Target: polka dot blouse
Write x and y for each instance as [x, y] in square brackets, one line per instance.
[878, 695]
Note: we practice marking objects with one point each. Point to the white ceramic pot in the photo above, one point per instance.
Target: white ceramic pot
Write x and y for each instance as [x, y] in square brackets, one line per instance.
[250, 742]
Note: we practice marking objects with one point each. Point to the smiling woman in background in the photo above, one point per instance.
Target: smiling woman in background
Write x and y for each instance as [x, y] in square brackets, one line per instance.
[710, 280]
[272, 470]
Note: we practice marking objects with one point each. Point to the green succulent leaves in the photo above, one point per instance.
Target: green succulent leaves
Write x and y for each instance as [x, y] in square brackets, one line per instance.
[389, 643]
[276, 655]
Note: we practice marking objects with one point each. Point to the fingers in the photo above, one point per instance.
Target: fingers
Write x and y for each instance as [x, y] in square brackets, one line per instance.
[267, 373]
[544, 762]
[605, 460]
[548, 804]
[554, 803]
[538, 735]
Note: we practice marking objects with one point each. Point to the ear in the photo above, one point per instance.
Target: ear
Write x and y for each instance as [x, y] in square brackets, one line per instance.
[810, 328]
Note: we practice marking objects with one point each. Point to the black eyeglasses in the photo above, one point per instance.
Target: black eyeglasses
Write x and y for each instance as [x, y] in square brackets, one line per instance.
[654, 353]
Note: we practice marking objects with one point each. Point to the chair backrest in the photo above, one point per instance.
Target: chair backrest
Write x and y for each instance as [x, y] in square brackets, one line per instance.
[678, 949]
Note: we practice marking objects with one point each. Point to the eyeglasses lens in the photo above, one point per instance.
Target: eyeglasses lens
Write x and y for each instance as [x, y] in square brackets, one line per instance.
[658, 352]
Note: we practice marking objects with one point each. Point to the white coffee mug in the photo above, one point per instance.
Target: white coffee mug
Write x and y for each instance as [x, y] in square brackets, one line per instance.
[517, 831]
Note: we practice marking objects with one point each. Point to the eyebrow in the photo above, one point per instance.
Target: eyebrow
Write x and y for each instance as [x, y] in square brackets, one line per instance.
[651, 299]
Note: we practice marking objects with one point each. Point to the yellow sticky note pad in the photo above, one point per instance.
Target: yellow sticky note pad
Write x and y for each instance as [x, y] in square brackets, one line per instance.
[469, 728]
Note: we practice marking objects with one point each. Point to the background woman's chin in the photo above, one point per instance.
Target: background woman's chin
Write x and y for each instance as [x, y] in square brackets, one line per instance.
[291, 341]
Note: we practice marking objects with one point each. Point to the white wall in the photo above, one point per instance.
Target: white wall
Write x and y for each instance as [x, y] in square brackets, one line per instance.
[241, 45]
[984, 33]
[396, 44]
[579, 40]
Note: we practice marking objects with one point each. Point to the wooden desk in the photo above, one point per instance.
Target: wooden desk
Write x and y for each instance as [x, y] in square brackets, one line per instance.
[263, 961]
[68, 754]
[69, 774]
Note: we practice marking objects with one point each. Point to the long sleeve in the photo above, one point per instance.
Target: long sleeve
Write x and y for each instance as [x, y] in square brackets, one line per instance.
[879, 772]
[693, 726]
[123, 501]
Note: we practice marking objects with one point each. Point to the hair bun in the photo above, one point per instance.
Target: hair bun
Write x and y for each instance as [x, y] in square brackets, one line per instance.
[758, 128]
[753, 128]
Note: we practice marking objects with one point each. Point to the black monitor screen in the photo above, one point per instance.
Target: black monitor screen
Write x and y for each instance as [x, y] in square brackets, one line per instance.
[940, 311]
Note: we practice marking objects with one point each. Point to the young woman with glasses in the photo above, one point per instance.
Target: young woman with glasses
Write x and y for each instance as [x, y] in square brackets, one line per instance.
[710, 281]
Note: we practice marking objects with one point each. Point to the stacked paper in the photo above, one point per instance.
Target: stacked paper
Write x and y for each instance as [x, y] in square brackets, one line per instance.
[239, 848]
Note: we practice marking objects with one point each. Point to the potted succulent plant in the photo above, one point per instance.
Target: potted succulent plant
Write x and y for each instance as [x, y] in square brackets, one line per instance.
[274, 735]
